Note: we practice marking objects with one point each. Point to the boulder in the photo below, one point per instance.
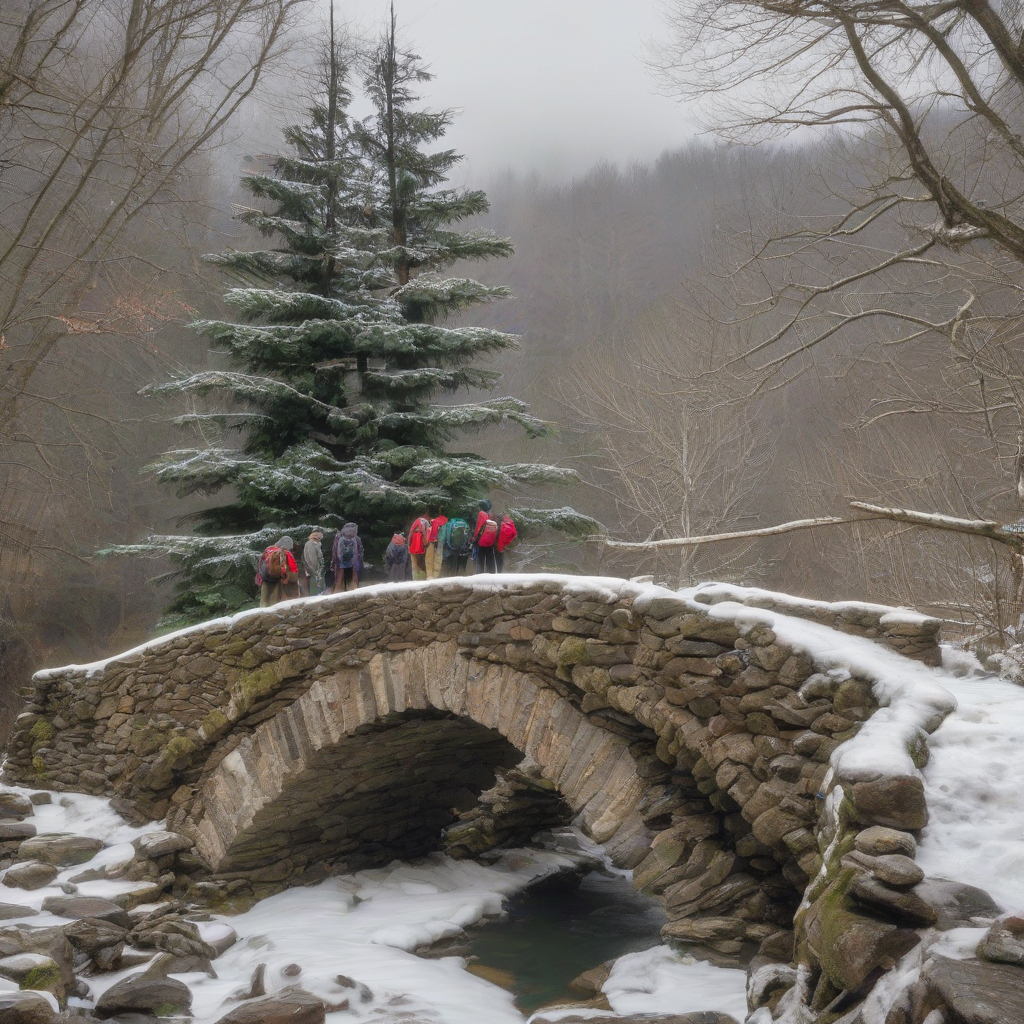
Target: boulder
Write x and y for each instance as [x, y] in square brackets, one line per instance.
[78, 907]
[160, 844]
[29, 875]
[172, 935]
[878, 840]
[143, 993]
[12, 911]
[92, 934]
[34, 971]
[970, 992]
[60, 848]
[1004, 941]
[896, 802]
[957, 905]
[13, 806]
[19, 938]
[289, 1007]
[589, 983]
[168, 963]
[26, 1008]
[16, 831]
[850, 946]
[898, 904]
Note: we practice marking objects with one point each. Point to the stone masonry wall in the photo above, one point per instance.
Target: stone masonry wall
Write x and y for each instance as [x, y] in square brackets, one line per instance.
[723, 733]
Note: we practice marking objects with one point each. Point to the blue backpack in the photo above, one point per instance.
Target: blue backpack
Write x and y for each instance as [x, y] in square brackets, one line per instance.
[454, 538]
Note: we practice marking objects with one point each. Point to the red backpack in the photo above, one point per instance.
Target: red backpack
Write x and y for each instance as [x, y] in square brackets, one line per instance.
[506, 533]
[418, 536]
[273, 565]
[488, 534]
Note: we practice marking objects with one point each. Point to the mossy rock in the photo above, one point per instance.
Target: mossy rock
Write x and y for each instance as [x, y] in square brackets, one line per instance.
[41, 733]
[44, 978]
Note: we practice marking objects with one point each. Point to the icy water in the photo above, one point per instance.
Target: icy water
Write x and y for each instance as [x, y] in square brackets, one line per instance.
[558, 929]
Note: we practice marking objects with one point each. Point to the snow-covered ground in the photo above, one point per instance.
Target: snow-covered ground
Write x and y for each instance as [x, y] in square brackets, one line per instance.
[363, 927]
[974, 784]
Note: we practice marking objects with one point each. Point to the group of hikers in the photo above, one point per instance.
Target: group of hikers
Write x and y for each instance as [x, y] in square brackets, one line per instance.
[436, 546]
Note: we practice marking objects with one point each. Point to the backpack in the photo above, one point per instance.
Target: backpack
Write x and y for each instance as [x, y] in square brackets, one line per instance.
[506, 533]
[345, 551]
[488, 534]
[273, 565]
[453, 537]
[418, 536]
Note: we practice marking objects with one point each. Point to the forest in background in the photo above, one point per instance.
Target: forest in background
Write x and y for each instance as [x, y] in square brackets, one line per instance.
[630, 288]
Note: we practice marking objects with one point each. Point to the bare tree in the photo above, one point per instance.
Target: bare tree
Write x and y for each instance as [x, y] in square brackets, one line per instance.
[108, 114]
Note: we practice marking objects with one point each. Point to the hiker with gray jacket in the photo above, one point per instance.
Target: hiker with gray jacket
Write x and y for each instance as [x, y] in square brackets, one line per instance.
[311, 572]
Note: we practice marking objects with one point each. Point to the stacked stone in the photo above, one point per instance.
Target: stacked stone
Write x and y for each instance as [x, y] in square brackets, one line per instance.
[902, 630]
[520, 804]
[728, 736]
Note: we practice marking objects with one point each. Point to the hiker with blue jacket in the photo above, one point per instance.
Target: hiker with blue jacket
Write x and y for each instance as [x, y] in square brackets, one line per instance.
[347, 558]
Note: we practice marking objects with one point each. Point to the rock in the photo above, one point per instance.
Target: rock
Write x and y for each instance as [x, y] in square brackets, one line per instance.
[34, 971]
[60, 848]
[220, 936]
[1004, 941]
[589, 983]
[93, 934]
[896, 870]
[26, 1008]
[51, 942]
[15, 831]
[78, 907]
[974, 993]
[849, 945]
[957, 905]
[292, 1007]
[168, 963]
[40, 799]
[895, 801]
[29, 875]
[172, 935]
[141, 993]
[878, 840]
[12, 911]
[898, 904]
[14, 806]
[160, 844]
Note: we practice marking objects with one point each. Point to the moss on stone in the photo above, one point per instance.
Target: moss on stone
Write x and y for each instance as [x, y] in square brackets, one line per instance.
[41, 733]
[178, 749]
[40, 768]
[572, 651]
[44, 978]
[214, 724]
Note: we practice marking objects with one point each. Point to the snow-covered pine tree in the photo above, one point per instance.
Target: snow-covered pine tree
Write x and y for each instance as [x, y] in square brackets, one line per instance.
[341, 348]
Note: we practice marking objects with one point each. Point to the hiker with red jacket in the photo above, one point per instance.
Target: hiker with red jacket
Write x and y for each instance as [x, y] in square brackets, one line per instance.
[277, 574]
[484, 539]
[419, 534]
[434, 553]
[507, 533]
[347, 558]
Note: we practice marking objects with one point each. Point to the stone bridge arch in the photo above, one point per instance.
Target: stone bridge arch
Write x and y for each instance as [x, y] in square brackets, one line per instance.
[690, 739]
[367, 764]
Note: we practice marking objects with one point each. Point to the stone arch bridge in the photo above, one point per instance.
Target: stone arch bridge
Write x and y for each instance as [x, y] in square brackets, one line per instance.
[339, 733]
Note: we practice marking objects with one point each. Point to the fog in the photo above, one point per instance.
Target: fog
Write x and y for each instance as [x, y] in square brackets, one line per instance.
[539, 85]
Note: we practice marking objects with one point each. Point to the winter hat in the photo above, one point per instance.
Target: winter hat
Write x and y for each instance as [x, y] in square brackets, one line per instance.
[485, 505]
[287, 543]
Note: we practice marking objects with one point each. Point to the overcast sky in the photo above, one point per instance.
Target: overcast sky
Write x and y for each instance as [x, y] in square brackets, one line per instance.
[552, 85]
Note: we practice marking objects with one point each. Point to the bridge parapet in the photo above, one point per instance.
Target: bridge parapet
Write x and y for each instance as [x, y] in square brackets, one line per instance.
[334, 733]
